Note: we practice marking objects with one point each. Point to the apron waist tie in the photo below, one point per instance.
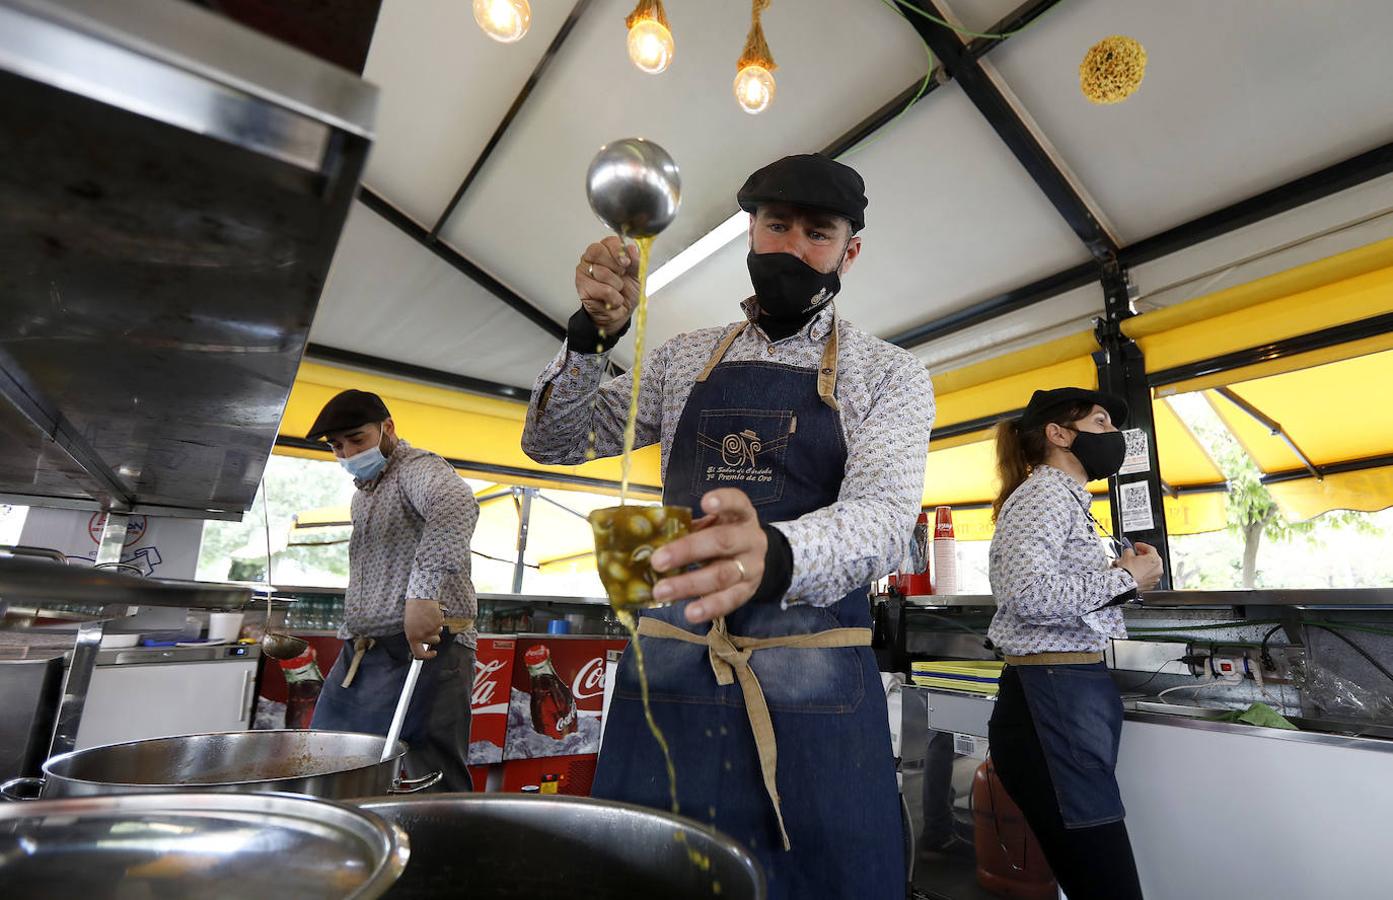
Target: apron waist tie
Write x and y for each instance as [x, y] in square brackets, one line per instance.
[360, 648]
[730, 660]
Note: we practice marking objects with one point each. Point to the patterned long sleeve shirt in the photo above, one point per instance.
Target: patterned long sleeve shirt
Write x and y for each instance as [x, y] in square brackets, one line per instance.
[1050, 576]
[887, 410]
[412, 526]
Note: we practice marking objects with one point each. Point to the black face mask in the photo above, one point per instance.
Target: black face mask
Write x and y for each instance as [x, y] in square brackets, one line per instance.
[1101, 455]
[789, 290]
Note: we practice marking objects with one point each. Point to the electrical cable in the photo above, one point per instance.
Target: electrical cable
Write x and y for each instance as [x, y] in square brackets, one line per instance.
[923, 89]
[1213, 682]
[1166, 629]
[951, 27]
[929, 75]
[1157, 672]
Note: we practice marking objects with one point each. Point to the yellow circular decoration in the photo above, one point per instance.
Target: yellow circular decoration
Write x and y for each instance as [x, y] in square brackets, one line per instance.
[1112, 69]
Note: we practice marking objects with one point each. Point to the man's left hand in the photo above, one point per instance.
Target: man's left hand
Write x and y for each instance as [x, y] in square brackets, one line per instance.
[729, 544]
[422, 624]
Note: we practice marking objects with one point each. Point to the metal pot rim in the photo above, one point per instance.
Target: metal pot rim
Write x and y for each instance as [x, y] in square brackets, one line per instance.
[206, 785]
[389, 839]
[720, 840]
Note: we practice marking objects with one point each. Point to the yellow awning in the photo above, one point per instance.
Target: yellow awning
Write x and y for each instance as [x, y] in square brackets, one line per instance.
[1337, 415]
[482, 434]
[1005, 383]
[323, 517]
[1184, 461]
[1339, 290]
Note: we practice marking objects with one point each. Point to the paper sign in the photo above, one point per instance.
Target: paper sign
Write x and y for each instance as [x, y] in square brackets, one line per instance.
[1136, 507]
[1137, 458]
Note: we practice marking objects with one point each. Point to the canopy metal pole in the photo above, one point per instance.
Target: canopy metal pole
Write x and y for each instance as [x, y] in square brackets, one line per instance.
[1274, 428]
[524, 517]
[1122, 371]
[89, 641]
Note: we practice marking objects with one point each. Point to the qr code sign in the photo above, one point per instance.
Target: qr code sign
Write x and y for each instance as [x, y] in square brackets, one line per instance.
[1136, 507]
[1136, 459]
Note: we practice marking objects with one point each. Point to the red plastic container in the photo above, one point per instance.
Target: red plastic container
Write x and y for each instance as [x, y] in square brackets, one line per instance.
[1010, 862]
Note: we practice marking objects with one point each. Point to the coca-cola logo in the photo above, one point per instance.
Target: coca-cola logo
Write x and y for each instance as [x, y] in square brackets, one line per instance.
[485, 686]
[590, 680]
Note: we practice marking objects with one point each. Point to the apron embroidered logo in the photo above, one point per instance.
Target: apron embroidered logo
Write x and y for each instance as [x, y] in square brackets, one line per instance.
[740, 454]
[738, 449]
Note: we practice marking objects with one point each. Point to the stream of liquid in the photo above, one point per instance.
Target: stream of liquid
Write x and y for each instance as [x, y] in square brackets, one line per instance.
[627, 617]
[645, 245]
[630, 622]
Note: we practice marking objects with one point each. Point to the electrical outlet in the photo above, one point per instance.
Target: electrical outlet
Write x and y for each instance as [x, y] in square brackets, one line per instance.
[1226, 666]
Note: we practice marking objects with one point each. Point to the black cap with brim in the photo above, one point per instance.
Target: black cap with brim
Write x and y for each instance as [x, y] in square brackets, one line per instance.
[1044, 404]
[810, 180]
[350, 409]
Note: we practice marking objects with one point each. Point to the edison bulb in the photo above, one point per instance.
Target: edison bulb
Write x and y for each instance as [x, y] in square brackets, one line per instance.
[650, 46]
[754, 89]
[505, 21]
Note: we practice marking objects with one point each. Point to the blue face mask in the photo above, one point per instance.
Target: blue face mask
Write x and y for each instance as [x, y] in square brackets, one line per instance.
[365, 466]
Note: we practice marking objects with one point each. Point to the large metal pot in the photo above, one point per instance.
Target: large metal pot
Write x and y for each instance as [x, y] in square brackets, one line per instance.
[192, 846]
[335, 765]
[559, 848]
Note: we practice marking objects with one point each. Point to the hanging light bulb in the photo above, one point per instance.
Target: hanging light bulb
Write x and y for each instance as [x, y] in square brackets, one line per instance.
[505, 21]
[650, 41]
[754, 81]
[754, 89]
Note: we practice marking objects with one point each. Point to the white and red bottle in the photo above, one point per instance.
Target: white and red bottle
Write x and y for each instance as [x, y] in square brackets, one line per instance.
[303, 681]
[553, 704]
[945, 552]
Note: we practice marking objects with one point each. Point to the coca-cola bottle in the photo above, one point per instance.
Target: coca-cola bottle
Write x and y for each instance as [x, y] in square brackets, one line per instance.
[553, 706]
[303, 681]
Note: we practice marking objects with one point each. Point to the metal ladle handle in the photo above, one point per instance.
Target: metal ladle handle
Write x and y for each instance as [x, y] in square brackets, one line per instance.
[398, 717]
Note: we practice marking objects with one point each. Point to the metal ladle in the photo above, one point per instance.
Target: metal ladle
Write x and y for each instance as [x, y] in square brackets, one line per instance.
[278, 645]
[634, 187]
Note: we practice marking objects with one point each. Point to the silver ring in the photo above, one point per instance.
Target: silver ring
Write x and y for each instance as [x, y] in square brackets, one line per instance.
[744, 576]
[590, 270]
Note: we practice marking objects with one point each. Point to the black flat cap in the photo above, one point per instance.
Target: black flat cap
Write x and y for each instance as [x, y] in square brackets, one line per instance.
[1043, 404]
[349, 409]
[811, 180]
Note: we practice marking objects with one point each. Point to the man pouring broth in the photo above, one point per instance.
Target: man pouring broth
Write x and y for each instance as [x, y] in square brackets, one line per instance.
[799, 440]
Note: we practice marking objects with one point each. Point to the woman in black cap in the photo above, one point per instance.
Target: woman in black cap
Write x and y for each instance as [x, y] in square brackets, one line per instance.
[1058, 718]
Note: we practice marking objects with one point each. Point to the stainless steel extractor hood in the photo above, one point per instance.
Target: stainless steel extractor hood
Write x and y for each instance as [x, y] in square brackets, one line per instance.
[172, 189]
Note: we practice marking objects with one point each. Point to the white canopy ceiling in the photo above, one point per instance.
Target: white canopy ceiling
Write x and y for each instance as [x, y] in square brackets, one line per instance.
[1238, 99]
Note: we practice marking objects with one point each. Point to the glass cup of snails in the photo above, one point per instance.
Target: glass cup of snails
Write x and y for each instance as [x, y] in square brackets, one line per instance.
[625, 539]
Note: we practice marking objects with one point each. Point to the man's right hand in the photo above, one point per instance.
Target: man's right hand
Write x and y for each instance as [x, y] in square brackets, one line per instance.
[607, 282]
[1144, 564]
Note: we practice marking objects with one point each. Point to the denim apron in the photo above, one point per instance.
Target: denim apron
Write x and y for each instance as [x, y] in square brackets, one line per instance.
[824, 822]
[1077, 711]
[368, 700]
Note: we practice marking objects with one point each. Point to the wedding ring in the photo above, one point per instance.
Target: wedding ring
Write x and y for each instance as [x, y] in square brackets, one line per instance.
[744, 576]
[590, 270]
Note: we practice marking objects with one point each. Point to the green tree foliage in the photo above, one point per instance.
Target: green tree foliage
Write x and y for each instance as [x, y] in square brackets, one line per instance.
[237, 550]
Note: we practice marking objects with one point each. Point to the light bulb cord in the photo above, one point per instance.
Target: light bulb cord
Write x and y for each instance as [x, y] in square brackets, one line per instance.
[647, 9]
[756, 52]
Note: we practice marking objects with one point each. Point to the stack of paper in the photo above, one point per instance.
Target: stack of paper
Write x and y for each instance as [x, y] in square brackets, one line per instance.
[958, 675]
